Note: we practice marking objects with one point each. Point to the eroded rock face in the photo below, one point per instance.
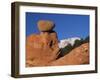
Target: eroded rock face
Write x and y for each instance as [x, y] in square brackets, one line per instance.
[77, 56]
[41, 49]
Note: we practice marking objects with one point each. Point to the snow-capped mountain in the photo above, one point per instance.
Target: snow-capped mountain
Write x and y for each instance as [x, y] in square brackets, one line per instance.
[67, 41]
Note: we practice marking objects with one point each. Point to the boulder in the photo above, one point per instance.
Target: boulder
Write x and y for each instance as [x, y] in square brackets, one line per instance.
[45, 25]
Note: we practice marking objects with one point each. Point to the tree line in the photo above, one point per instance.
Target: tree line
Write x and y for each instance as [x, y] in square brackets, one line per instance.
[69, 47]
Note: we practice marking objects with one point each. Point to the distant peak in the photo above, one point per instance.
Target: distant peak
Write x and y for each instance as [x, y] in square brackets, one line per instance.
[65, 42]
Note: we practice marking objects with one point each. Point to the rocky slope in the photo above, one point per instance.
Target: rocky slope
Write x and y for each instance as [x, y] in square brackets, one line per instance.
[47, 57]
[79, 55]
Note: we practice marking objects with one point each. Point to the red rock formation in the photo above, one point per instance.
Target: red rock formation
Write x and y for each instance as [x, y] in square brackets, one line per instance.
[41, 49]
[79, 55]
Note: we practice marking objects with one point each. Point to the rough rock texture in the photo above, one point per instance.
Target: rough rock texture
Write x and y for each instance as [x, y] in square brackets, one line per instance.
[45, 25]
[41, 49]
[79, 55]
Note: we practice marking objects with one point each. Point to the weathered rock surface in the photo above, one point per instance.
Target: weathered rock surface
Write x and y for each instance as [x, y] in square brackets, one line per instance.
[45, 25]
[41, 49]
[79, 55]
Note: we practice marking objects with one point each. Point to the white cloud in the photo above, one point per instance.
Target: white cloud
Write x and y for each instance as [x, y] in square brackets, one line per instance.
[67, 41]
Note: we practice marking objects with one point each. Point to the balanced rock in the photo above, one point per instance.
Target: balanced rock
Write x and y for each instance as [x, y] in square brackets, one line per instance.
[45, 25]
[41, 49]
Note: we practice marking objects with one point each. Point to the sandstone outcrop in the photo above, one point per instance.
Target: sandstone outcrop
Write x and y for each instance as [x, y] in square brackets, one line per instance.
[79, 55]
[43, 50]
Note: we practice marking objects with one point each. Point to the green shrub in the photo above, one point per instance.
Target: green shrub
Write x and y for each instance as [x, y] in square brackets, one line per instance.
[86, 39]
[77, 43]
[66, 49]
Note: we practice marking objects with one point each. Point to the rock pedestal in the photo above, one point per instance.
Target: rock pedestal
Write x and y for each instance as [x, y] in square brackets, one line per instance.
[42, 48]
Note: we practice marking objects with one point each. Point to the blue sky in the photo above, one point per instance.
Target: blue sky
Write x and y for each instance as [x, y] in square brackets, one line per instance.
[66, 25]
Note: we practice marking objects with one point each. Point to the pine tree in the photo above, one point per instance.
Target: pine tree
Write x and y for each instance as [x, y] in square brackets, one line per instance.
[66, 49]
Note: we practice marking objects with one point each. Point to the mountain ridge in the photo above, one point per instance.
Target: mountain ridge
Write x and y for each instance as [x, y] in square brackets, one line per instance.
[64, 42]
